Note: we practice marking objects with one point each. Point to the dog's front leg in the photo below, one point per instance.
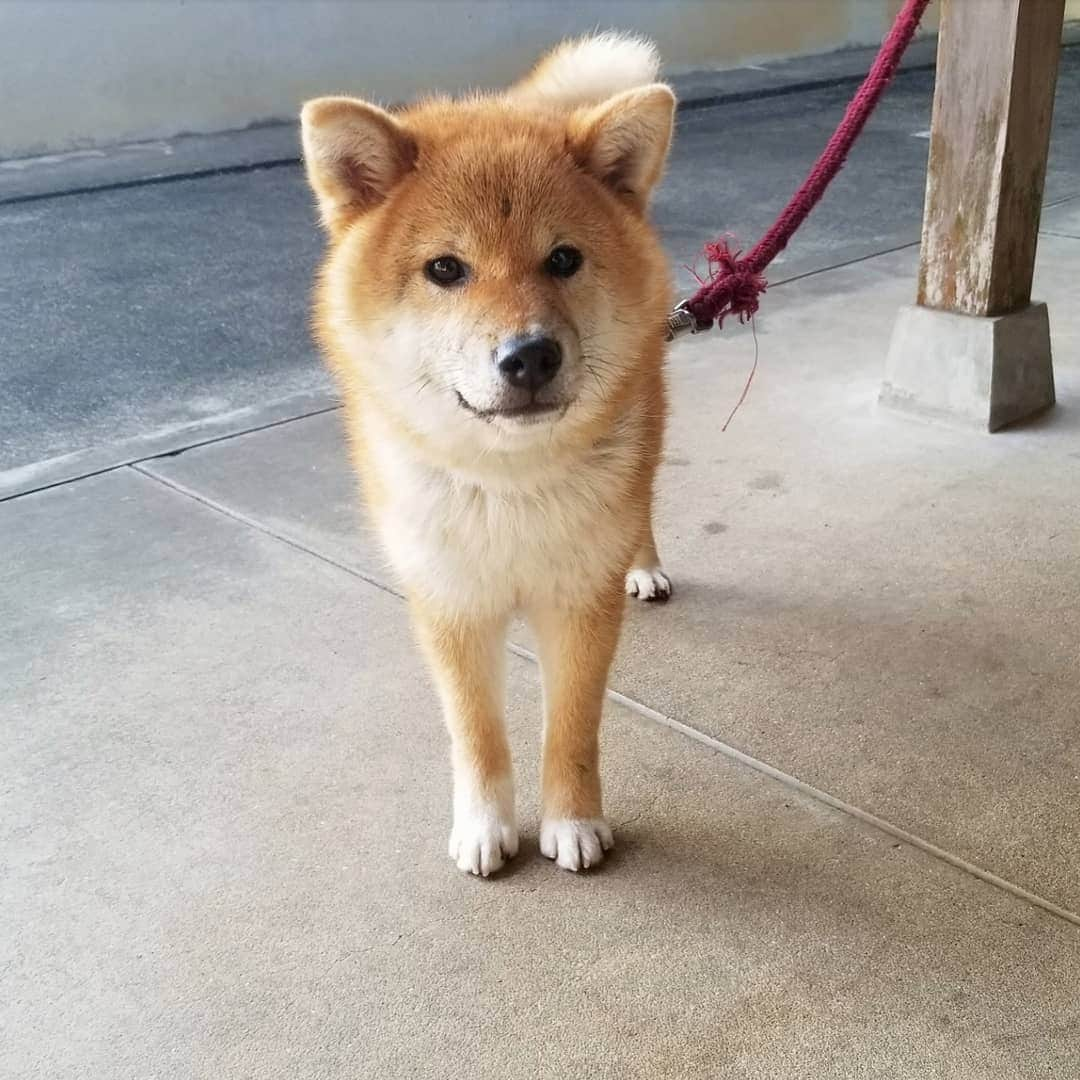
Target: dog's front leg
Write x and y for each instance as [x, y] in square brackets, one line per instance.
[467, 658]
[577, 643]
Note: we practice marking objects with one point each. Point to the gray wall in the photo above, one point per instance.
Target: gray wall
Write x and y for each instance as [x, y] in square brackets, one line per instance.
[77, 73]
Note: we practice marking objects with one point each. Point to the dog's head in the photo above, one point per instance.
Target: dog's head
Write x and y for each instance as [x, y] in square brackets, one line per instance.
[492, 279]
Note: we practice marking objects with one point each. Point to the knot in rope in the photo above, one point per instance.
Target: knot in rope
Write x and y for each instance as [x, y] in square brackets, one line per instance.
[734, 287]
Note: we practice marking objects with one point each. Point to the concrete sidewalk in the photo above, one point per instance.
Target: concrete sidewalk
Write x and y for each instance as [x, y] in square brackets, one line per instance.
[843, 764]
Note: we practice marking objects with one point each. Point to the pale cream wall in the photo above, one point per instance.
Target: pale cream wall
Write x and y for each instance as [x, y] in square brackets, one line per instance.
[84, 72]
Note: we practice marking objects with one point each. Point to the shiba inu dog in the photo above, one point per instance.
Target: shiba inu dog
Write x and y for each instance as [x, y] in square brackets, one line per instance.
[493, 305]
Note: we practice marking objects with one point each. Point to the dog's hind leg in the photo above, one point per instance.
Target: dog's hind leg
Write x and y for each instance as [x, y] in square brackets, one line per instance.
[467, 659]
[646, 578]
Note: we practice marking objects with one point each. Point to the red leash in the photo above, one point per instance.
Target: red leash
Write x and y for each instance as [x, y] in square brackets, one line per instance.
[735, 282]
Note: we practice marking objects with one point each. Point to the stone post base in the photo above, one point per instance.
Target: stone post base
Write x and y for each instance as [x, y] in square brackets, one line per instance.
[984, 372]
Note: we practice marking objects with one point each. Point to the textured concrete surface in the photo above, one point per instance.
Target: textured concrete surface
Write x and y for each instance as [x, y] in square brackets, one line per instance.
[887, 609]
[133, 310]
[227, 794]
[294, 481]
[224, 792]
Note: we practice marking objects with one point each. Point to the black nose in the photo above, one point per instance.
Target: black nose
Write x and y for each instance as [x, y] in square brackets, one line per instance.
[530, 363]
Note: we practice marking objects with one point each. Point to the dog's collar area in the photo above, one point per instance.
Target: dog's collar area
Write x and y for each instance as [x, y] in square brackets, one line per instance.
[682, 321]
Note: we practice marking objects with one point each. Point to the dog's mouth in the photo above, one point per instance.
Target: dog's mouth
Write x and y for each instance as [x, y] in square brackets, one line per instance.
[531, 412]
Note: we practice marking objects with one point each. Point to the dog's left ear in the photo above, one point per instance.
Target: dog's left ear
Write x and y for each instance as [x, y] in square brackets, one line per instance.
[624, 141]
[354, 153]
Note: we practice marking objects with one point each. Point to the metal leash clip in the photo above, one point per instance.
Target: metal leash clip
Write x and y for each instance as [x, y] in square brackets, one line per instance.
[683, 321]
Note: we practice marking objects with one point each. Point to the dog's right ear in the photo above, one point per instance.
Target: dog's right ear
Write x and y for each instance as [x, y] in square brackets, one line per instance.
[624, 141]
[354, 154]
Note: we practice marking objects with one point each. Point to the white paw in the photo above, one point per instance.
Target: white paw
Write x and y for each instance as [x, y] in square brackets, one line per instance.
[482, 840]
[576, 843]
[651, 584]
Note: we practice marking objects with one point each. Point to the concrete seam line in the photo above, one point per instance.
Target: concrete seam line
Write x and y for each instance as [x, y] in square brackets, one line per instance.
[175, 452]
[150, 181]
[228, 435]
[1060, 200]
[844, 807]
[806, 86]
[648, 713]
[257, 526]
[844, 264]
[831, 801]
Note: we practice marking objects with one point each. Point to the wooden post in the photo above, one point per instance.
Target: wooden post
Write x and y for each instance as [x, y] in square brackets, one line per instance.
[993, 102]
[996, 71]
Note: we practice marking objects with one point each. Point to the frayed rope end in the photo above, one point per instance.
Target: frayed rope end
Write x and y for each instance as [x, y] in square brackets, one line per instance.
[732, 288]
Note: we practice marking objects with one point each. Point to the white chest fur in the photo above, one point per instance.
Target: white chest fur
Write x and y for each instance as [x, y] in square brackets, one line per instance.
[489, 546]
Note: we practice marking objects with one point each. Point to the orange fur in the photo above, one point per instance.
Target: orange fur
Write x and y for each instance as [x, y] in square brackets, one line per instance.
[482, 513]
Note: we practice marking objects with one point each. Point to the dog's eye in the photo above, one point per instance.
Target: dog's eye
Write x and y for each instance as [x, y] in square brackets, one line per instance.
[445, 270]
[563, 262]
